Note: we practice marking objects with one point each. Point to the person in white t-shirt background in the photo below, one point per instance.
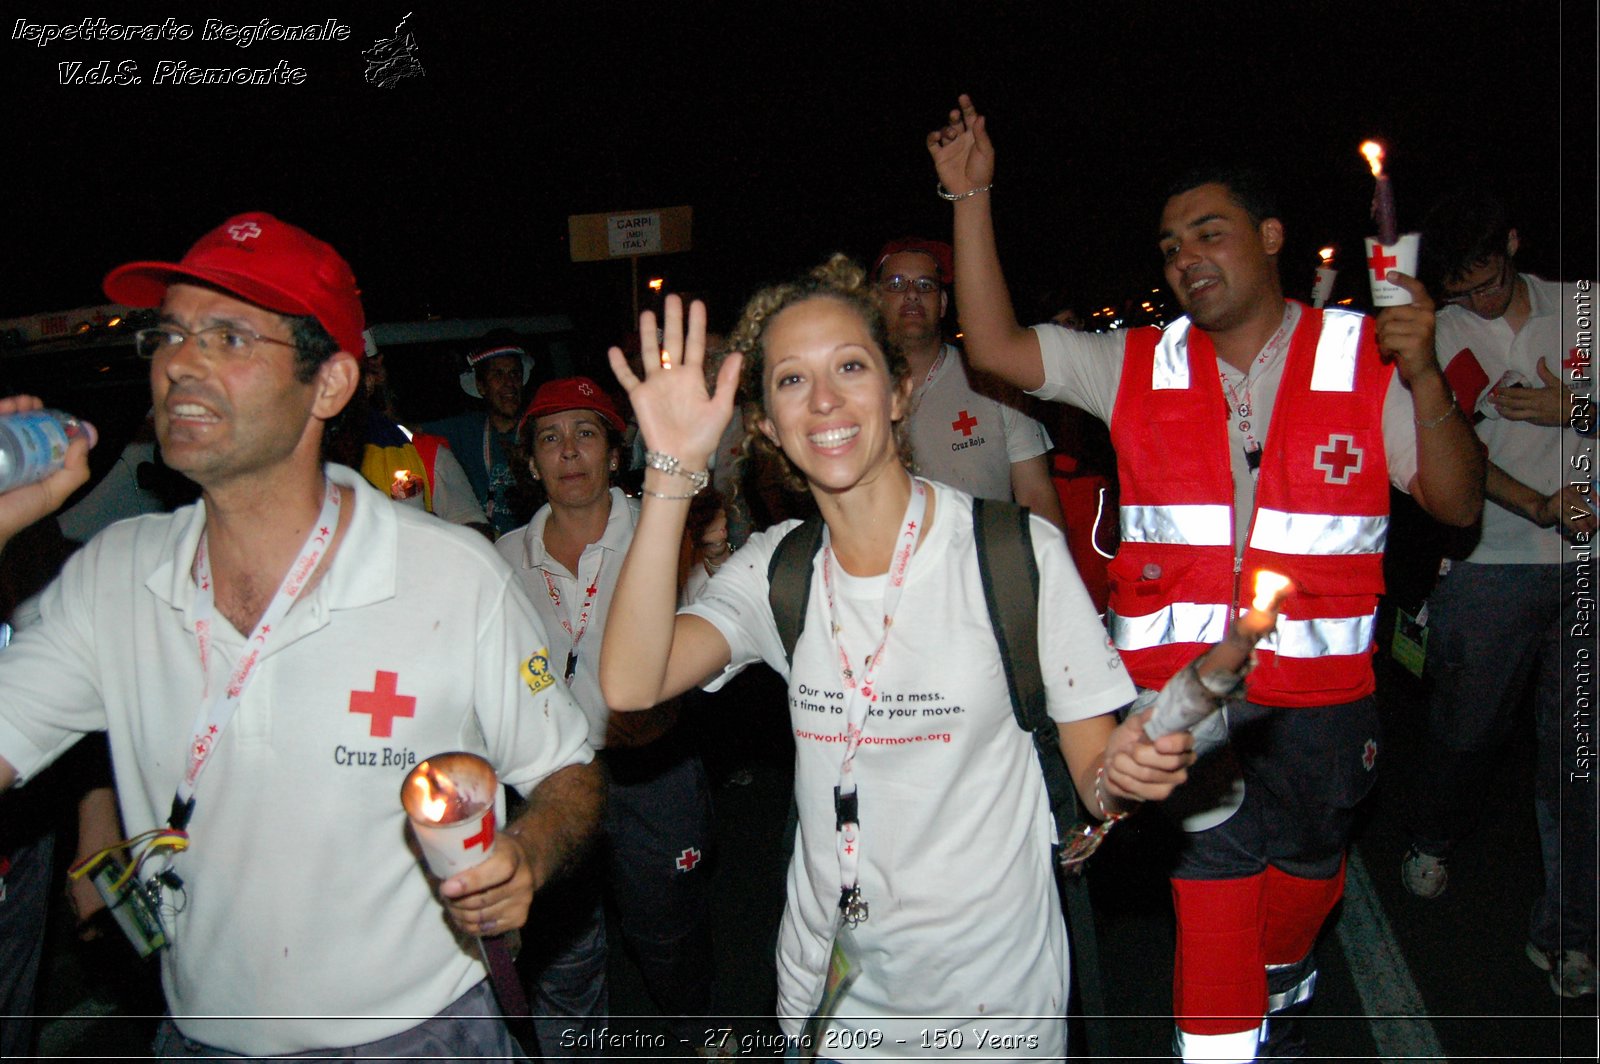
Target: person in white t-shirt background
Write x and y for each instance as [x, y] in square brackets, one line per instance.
[967, 429]
[1507, 340]
[949, 842]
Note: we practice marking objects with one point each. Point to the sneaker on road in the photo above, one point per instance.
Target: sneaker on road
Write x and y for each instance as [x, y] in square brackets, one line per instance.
[1572, 973]
[1424, 874]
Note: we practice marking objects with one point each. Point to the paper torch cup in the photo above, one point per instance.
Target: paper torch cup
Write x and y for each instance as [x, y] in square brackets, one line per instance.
[1323, 288]
[454, 803]
[1381, 258]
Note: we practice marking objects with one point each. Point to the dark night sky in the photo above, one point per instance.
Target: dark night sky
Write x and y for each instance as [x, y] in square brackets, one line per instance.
[793, 130]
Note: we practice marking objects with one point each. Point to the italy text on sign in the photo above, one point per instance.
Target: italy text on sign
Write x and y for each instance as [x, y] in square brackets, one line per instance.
[629, 234]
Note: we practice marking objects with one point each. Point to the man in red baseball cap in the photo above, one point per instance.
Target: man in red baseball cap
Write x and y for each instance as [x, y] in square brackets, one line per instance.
[262, 741]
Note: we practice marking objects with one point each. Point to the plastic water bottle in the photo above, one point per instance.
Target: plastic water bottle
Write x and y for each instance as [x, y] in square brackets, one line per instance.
[33, 444]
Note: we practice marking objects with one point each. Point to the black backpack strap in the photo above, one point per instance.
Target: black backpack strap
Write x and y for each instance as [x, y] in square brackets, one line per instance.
[789, 580]
[1005, 560]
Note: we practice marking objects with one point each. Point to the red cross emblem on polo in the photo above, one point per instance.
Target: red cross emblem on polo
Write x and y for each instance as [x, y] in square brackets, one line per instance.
[964, 424]
[688, 859]
[384, 703]
[1339, 459]
[244, 231]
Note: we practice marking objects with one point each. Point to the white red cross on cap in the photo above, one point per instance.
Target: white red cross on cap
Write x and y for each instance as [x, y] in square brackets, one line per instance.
[1339, 459]
[688, 859]
[244, 231]
[584, 389]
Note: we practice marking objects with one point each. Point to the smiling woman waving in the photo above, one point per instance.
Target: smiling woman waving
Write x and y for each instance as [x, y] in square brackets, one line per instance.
[931, 869]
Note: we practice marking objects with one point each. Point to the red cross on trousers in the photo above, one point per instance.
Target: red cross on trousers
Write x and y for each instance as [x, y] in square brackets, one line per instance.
[964, 424]
[384, 703]
[485, 835]
[1338, 459]
[1381, 263]
[688, 859]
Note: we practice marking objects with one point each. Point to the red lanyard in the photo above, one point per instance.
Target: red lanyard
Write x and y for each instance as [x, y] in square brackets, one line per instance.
[860, 695]
[590, 593]
[216, 712]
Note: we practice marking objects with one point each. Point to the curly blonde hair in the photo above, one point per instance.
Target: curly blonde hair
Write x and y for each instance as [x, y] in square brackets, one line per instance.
[841, 279]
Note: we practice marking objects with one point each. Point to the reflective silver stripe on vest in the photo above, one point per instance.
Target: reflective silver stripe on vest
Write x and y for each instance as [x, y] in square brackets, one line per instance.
[1193, 525]
[1289, 533]
[1321, 637]
[1335, 369]
[1171, 368]
[1181, 622]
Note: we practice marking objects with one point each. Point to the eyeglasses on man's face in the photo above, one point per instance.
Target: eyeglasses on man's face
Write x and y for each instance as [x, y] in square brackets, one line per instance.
[233, 343]
[898, 283]
[1490, 288]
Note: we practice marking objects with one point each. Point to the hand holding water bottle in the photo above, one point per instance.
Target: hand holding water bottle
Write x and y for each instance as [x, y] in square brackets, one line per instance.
[44, 458]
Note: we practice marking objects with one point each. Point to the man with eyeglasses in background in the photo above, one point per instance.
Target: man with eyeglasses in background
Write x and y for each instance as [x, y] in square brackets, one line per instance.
[1510, 345]
[296, 918]
[966, 429]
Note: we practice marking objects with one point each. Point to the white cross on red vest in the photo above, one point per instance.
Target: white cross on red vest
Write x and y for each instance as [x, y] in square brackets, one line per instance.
[1339, 459]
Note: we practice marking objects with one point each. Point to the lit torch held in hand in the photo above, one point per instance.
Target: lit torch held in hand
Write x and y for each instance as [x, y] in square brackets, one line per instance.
[450, 799]
[1390, 249]
[1197, 690]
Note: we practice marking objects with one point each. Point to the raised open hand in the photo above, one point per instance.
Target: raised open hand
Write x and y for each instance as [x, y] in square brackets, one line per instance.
[676, 415]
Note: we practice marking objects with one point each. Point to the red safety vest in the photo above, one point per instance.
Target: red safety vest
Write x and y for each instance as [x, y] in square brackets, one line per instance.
[1321, 516]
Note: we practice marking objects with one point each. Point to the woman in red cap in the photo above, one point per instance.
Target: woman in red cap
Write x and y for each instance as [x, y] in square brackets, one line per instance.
[658, 816]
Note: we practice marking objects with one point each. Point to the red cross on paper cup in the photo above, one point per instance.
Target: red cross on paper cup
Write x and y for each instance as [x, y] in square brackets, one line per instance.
[453, 802]
[1382, 258]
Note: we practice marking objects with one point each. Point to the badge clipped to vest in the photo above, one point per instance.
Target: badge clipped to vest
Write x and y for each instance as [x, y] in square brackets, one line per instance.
[1409, 648]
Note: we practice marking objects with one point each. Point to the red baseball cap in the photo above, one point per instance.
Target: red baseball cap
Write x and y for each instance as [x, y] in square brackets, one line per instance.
[937, 250]
[264, 261]
[572, 393]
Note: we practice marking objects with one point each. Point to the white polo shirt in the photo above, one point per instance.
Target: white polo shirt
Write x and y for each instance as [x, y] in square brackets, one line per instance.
[302, 901]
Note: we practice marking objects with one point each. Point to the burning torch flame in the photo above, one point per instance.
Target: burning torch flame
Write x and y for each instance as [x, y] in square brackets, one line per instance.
[1327, 255]
[436, 791]
[1270, 590]
[1374, 153]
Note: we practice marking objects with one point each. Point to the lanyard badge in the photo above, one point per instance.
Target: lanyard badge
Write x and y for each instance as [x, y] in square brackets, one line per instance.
[135, 897]
[860, 693]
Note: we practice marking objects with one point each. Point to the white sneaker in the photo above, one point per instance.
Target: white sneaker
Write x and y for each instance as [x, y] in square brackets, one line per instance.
[1572, 976]
[1424, 874]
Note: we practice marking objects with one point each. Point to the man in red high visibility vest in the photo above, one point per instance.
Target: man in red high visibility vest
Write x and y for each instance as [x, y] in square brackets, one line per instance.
[1252, 433]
